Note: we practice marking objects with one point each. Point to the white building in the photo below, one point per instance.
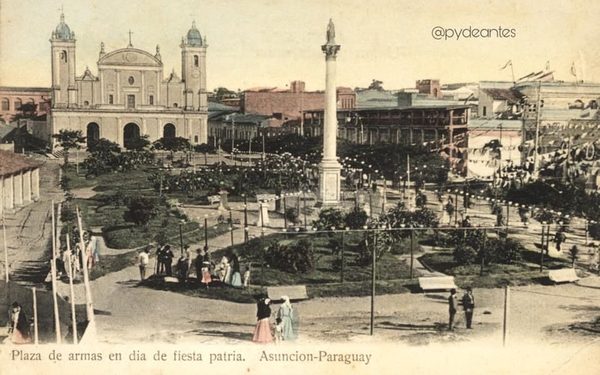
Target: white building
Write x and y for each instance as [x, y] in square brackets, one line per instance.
[19, 181]
[129, 96]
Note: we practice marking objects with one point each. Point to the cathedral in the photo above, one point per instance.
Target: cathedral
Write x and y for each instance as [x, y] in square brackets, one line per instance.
[130, 95]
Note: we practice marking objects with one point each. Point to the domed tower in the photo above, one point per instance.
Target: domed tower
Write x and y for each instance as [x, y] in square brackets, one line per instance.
[64, 90]
[193, 70]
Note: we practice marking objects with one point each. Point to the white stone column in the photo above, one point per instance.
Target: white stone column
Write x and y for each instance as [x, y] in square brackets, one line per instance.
[27, 187]
[9, 200]
[2, 199]
[329, 168]
[18, 186]
[35, 184]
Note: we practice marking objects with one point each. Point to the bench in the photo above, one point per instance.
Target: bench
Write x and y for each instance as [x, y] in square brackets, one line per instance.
[563, 275]
[437, 283]
[295, 292]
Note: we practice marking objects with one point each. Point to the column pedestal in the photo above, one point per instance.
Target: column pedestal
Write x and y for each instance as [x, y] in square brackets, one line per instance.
[329, 183]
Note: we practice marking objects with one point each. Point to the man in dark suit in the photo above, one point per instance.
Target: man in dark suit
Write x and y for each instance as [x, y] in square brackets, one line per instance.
[468, 302]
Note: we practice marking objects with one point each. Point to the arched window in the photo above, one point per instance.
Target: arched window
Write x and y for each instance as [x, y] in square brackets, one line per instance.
[111, 99]
[5, 104]
[196, 60]
[18, 103]
[86, 103]
[63, 56]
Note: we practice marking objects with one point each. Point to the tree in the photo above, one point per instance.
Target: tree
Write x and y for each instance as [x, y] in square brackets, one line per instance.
[68, 139]
[140, 210]
[138, 144]
[376, 85]
[172, 144]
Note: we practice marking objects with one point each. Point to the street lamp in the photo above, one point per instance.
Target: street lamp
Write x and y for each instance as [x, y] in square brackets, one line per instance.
[245, 218]
[205, 232]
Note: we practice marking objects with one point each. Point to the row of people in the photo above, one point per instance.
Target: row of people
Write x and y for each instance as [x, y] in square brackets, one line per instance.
[227, 271]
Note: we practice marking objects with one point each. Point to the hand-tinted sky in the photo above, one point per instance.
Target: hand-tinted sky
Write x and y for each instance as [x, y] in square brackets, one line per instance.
[271, 42]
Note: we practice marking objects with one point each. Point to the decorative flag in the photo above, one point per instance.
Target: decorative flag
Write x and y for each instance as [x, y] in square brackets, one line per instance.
[573, 71]
[509, 62]
[548, 65]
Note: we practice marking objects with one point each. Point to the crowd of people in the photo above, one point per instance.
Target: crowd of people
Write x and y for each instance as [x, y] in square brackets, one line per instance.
[71, 260]
[206, 272]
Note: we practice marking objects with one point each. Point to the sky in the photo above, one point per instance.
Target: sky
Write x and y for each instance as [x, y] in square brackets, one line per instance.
[272, 42]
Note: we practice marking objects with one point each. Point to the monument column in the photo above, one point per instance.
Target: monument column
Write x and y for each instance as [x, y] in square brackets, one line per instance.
[329, 168]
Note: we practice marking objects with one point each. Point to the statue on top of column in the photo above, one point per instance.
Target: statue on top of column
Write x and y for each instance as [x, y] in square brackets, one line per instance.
[330, 32]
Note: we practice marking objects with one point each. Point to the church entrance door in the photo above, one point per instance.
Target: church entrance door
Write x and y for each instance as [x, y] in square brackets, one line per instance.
[131, 133]
[92, 134]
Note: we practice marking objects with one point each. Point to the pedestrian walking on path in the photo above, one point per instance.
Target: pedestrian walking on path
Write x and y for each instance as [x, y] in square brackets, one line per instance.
[452, 303]
[468, 302]
[262, 331]
[143, 260]
[287, 315]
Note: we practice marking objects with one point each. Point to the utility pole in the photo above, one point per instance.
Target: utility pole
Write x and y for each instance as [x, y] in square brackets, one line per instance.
[373, 279]
[536, 158]
[412, 256]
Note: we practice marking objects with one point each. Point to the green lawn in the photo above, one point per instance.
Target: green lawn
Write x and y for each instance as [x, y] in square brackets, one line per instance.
[323, 281]
[106, 211]
[494, 275]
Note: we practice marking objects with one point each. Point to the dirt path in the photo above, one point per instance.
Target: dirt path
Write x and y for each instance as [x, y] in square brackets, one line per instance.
[29, 229]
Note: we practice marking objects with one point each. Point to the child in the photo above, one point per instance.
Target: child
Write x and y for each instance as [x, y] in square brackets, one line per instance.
[278, 332]
[247, 277]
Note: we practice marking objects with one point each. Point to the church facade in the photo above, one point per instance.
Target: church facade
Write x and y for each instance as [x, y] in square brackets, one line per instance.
[129, 96]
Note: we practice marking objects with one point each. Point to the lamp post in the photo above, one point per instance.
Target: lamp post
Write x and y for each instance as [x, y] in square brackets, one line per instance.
[373, 279]
[181, 236]
[231, 225]
[543, 245]
[284, 212]
[245, 218]
[455, 207]
[412, 256]
[343, 260]
[507, 215]
[304, 208]
[206, 232]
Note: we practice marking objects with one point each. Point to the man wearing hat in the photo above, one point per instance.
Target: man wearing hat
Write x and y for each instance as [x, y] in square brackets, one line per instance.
[468, 302]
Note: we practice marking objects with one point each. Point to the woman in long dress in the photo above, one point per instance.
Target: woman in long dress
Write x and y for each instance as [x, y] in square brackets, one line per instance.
[286, 314]
[206, 275]
[262, 331]
[236, 277]
[19, 328]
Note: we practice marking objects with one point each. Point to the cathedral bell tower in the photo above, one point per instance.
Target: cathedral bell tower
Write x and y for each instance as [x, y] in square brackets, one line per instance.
[193, 70]
[64, 90]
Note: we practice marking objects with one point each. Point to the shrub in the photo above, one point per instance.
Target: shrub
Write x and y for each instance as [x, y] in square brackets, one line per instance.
[594, 230]
[506, 252]
[464, 254]
[295, 258]
[356, 219]
[291, 215]
[328, 218]
[140, 210]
